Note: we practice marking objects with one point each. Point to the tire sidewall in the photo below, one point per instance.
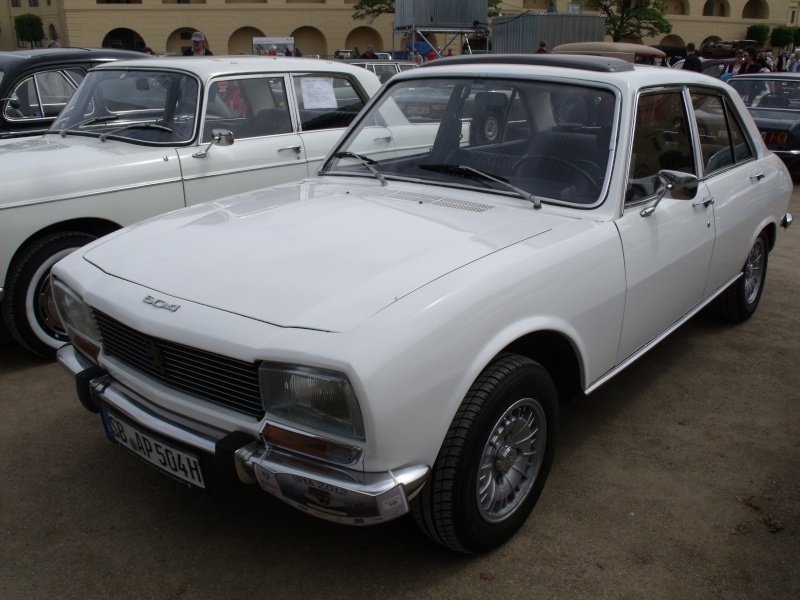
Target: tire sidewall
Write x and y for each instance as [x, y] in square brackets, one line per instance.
[529, 381]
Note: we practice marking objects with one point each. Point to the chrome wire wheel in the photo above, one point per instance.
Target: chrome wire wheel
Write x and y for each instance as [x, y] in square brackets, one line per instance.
[754, 271]
[511, 460]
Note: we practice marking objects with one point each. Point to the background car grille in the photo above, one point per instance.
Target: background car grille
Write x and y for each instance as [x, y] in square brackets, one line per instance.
[225, 381]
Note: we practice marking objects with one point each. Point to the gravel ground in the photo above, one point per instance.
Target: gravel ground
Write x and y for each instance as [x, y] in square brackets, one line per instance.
[678, 479]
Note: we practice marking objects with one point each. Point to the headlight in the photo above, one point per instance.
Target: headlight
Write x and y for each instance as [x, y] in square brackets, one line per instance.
[77, 318]
[320, 399]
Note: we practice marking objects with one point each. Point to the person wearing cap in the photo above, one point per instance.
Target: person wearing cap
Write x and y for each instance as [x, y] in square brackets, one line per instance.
[198, 46]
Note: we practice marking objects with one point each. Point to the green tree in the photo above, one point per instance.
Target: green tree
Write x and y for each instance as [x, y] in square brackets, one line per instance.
[781, 36]
[29, 28]
[758, 33]
[628, 19]
[372, 9]
[796, 36]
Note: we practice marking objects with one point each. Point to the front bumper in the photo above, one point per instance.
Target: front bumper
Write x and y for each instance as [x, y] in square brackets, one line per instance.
[329, 492]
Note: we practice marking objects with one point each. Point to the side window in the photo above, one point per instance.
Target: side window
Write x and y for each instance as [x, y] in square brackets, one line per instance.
[28, 106]
[660, 141]
[76, 75]
[249, 107]
[326, 102]
[722, 142]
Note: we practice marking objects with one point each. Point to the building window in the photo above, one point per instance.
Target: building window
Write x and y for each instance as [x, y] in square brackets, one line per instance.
[16, 3]
[793, 18]
[33, 2]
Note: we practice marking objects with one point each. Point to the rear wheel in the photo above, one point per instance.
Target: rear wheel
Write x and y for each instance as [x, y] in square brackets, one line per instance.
[495, 458]
[28, 309]
[740, 301]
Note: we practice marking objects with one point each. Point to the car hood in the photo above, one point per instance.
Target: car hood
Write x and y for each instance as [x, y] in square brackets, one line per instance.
[775, 118]
[50, 167]
[315, 254]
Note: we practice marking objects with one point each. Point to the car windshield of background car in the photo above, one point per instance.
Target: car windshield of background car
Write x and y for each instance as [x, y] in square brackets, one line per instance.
[143, 107]
[548, 139]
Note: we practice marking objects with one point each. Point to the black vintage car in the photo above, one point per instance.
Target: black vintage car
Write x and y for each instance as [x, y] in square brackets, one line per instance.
[773, 100]
[36, 84]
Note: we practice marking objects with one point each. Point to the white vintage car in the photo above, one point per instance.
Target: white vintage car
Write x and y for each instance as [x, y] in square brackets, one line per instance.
[136, 141]
[396, 334]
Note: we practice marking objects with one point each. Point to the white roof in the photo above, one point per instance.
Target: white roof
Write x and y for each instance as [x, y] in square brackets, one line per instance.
[207, 67]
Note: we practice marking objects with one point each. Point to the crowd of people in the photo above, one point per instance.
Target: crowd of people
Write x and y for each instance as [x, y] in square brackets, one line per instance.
[748, 60]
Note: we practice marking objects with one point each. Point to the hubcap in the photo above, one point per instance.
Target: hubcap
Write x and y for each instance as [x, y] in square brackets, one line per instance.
[511, 460]
[754, 271]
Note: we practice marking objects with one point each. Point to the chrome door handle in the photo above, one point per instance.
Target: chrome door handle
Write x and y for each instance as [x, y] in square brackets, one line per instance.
[758, 176]
[705, 201]
[385, 138]
[295, 148]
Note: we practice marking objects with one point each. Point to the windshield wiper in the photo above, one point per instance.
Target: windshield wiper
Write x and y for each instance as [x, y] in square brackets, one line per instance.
[366, 161]
[105, 136]
[63, 132]
[465, 171]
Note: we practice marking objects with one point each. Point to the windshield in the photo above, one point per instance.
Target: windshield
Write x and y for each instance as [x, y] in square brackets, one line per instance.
[768, 93]
[144, 107]
[534, 139]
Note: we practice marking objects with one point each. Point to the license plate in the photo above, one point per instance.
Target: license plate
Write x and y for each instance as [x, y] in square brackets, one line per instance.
[164, 457]
[419, 110]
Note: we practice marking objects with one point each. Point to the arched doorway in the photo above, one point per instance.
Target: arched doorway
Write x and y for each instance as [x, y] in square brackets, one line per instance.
[179, 40]
[241, 40]
[360, 37]
[310, 41]
[756, 9]
[123, 38]
[672, 40]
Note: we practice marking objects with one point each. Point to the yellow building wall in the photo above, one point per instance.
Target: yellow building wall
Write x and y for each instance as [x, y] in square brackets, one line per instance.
[329, 23]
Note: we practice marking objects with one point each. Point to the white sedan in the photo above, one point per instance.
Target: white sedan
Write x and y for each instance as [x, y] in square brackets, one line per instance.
[144, 137]
[396, 334]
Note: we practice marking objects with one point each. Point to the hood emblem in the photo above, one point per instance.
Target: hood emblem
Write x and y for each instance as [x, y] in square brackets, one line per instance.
[161, 304]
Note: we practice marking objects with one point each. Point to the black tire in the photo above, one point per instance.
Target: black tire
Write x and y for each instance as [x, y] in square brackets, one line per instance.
[490, 127]
[482, 487]
[740, 301]
[28, 310]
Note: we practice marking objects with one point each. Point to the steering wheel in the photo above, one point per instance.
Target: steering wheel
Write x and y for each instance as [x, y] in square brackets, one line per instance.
[773, 100]
[594, 186]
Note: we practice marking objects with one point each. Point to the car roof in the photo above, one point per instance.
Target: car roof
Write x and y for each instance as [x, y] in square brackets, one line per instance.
[207, 67]
[572, 66]
[22, 59]
[774, 75]
[376, 61]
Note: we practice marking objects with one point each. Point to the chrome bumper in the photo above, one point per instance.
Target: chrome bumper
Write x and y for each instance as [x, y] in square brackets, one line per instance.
[331, 493]
[787, 220]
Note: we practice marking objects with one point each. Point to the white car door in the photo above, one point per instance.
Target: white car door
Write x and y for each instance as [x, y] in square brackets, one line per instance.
[668, 251]
[266, 151]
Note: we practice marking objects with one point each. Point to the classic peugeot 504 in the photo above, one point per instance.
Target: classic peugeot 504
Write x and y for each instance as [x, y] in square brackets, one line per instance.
[396, 333]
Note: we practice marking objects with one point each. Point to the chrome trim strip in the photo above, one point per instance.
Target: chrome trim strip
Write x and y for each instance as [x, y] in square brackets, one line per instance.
[137, 186]
[107, 391]
[261, 167]
[654, 342]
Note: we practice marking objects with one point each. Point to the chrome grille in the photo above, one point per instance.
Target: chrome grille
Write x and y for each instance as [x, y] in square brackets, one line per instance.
[225, 381]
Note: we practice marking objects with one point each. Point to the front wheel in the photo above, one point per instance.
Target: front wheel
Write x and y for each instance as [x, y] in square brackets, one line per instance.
[495, 458]
[740, 301]
[28, 309]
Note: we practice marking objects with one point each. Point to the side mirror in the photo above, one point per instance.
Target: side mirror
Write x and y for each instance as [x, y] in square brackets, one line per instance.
[219, 137]
[13, 101]
[682, 186]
